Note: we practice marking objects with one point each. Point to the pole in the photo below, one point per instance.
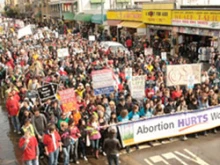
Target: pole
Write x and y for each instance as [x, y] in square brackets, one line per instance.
[102, 18]
[60, 9]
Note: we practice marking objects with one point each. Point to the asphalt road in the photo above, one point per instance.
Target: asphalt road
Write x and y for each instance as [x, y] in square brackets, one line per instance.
[202, 151]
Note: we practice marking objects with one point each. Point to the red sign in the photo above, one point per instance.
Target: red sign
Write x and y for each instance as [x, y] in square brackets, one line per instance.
[68, 100]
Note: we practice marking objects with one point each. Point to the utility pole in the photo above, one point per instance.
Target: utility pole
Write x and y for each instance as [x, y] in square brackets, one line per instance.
[102, 17]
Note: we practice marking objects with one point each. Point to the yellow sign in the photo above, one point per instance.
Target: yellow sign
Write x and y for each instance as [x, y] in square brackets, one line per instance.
[196, 18]
[125, 15]
[161, 17]
[162, 6]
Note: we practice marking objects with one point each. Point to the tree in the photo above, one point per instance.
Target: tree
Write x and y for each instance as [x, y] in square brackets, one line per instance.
[10, 12]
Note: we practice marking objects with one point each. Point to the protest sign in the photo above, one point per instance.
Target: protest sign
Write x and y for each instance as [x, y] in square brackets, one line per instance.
[46, 92]
[164, 56]
[161, 127]
[148, 51]
[128, 73]
[68, 100]
[24, 31]
[178, 74]
[103, 81]
[138, 87]
[191, 79]
[91, 38]
[64, 52]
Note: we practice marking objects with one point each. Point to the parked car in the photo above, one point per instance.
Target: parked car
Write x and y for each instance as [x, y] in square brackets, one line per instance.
[113, 46]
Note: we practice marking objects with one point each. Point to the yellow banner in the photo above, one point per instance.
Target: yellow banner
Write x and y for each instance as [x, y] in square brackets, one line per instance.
[125, 15]
[161, 17]
[196, 18]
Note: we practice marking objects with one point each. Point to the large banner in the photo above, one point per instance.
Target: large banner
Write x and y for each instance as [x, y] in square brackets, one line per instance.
[178, 74]
[24, 31]
[138, 87]
[68, 100]
[103, 81]
[169, 126]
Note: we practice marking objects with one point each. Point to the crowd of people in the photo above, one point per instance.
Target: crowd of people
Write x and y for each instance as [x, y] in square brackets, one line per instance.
[28, 63]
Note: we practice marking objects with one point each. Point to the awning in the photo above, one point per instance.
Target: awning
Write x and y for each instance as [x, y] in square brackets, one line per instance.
[132, 24]
[83, 17]
[68, 16]
[97, 18]
[113, 22]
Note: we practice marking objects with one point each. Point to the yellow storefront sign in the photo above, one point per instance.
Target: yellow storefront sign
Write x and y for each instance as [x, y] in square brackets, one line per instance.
[196, 18]
[161, 17]
[125, 15]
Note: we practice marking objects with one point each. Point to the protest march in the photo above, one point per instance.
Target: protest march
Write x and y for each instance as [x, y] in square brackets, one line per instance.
[65, 94]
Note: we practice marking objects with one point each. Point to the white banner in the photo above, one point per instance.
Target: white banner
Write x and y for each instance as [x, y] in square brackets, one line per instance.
[138, 87]
[24, 31]
[64, 52]
[169, 126]
[178, 74]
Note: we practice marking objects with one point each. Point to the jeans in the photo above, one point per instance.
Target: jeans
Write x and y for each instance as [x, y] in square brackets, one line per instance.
[31, 162]
[74, 150]
[82, 147]
[53, 157]
[95, 144]
[66, 152]
[15, 122]
[113, 159]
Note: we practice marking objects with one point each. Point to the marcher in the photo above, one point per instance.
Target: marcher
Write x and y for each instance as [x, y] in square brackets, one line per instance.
[112, 147]
[52, 143]
[29, 146]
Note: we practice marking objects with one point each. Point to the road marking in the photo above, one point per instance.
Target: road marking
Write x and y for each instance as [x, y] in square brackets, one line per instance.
[171, 155]
[195, 158]
[164, 158]
[148, 162]
[157, 159]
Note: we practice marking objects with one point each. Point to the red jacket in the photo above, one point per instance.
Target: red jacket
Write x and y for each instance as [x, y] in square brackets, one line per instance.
[30, 151]
[129, 43]
[12, 105]
[48, 141]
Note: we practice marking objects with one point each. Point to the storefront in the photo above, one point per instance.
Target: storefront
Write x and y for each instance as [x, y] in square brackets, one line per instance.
[129, 21]
[158, 29]
[198, 30]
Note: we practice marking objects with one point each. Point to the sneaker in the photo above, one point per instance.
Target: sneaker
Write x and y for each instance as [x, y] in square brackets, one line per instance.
[85, 158]
[77, 162]
[196, 136]
[15, 131]
[184, 138]
[71, 160]
[19, 132]
[104, 154]
[215, 131]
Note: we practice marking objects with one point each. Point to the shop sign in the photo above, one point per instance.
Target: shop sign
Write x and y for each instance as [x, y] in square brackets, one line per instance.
[196, 18]
[125, 15]
[160, 17]
[196, 31]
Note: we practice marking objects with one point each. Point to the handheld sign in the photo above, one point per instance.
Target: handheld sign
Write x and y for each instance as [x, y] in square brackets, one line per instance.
[46, 92]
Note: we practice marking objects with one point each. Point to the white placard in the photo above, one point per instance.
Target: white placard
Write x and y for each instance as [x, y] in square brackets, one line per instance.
[64, 52]
[164, 56]
[148, 51]
[138, 87]
[24, 31]
[178, 74]
[91, 38]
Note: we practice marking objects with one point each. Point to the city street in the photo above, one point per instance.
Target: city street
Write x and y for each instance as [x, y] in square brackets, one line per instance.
[202, 151]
